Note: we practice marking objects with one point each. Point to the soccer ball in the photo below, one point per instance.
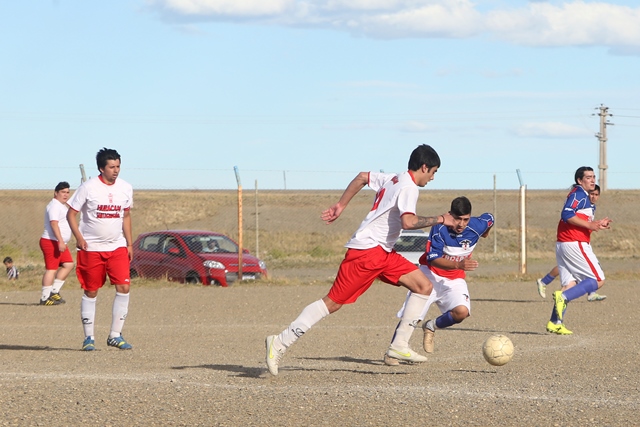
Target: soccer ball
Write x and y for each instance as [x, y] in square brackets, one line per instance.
[497, 350]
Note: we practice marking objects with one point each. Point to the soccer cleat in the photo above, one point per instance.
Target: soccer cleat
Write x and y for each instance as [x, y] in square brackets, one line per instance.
[558, 329]
[560, 303]
[429, 329]
[119, 342]
[88, 344]
[542, 288]
[595, 297]
[50, 301]
[57, 297]
[389, 361]
[405, 354]
[274, 354]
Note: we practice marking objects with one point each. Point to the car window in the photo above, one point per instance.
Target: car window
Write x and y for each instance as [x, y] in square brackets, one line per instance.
[170, 243]
[207, 243]
[151, 243]
[411, 244]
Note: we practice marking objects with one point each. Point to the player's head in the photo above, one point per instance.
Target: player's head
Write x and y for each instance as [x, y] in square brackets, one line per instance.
[423, 155]
[461, 213]
[61, 186]
[8, 261]
[108, 161]
[594, 194]
[104, 156]
[61, 192]
[585, 177]
[423, 163]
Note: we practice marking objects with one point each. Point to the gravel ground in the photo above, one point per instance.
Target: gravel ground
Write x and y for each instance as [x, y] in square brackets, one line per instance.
[198, 360]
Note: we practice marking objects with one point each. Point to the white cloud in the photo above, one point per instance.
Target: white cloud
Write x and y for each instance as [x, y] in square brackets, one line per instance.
[550, 130]
[417, 127]
[536, 23]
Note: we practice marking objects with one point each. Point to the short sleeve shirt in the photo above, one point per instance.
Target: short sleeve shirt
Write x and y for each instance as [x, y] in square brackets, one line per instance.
[102, 207]
[56, 211]
[396, 195]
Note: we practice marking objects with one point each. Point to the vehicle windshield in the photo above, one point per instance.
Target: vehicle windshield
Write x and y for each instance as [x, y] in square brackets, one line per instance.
[411, 244]
[205, 244]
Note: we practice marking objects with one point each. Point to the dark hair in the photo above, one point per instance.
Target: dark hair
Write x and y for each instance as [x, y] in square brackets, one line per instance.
[460, 206]
[580, 172]
[7, 259]
[61, 186]
[423, 155]
[105, 155]
[597, 188]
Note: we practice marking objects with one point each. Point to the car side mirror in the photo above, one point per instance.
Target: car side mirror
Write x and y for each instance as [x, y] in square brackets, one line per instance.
[174, 251]
[245, 251]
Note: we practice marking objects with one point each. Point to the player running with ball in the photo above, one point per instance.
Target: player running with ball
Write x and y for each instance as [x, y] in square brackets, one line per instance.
[580, 271]
[445, 263]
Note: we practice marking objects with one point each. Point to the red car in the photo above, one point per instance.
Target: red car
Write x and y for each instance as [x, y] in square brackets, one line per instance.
[190, 256]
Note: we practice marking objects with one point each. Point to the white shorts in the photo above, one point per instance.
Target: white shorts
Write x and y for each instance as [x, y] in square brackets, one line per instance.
[447, 293]
[576, 262]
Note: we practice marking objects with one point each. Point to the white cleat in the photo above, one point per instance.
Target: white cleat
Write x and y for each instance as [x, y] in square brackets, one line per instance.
[274, 354]
[405, 354]
[542, 289]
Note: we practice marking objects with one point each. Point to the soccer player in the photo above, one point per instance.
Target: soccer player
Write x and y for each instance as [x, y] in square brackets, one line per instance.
[104, 244]
[542, 283]
[580, 271]
[445, 263]
[370, 254]
[58, 262]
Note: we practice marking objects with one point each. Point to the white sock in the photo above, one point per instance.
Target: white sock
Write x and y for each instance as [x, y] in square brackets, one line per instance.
[88, 313]
[312, 314]
[413, 309]
[46, 291]
[57, 285]
[119, 313]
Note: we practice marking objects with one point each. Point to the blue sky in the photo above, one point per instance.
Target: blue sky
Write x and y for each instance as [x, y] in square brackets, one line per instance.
[305, 94]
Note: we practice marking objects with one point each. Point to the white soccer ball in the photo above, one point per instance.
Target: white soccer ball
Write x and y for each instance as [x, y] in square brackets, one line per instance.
[498, 350]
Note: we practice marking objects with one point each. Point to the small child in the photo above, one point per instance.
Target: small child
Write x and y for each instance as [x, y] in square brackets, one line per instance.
[12, 271]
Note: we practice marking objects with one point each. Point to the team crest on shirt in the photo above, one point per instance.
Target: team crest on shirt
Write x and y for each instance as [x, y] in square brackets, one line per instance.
[465, 244]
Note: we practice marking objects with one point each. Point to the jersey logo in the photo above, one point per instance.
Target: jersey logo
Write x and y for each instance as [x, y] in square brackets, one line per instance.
[465, 244]
[395, 179]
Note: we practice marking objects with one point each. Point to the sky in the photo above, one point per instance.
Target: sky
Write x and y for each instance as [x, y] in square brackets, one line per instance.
[304, 94]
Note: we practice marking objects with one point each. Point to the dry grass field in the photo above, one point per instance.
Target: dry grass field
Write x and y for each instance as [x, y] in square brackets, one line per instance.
[198, 357]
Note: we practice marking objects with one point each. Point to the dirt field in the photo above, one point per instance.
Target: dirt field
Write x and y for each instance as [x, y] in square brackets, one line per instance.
[198, 360]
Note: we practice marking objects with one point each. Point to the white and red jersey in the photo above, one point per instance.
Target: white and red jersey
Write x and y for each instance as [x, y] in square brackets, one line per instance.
[396, 195]
[102, 207]
[56, 211]
[577, 204]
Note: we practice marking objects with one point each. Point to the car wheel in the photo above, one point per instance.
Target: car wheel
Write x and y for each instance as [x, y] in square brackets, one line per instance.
[193, 279]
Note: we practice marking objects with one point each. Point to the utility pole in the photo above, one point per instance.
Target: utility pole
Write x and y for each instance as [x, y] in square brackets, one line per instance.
[602, 138]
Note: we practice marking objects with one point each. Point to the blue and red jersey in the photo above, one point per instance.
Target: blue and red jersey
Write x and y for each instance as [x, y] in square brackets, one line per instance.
[446, 243]
[577, 204]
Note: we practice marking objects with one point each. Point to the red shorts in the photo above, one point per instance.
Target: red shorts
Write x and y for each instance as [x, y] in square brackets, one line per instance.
[93, 268]
[52, 256]
[361, 267]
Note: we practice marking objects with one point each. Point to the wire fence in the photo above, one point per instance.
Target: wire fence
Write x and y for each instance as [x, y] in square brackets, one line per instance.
[283, 231]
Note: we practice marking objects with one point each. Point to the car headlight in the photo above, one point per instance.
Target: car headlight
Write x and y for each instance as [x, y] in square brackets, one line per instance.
[213, 264]
[262, 265]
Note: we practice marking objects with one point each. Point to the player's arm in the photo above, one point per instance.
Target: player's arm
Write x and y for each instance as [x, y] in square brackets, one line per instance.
[466, 264]
[62, 246]
[126, 230]
[72, 219]
[352, 189]
[590, 225]
[412, 221]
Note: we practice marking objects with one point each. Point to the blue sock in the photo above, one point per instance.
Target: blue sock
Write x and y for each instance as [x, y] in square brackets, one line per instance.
[547, 279]
[445, 320]
[584, 287]
[554, 316]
